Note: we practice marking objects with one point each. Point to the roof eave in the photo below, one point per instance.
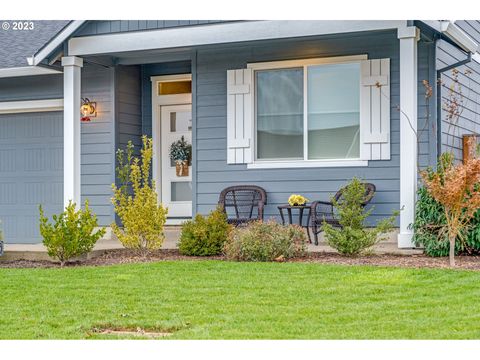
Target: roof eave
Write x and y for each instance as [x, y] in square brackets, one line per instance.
[63, 35]
[454, 33]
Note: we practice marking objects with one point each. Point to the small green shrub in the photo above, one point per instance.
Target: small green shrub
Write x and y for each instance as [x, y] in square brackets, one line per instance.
[429, 228]
[353, 238]
[204, 236]
[265, 241]
[135, 201]
[71, 233]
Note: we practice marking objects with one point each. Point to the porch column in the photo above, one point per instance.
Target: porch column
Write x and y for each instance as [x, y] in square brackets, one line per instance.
[72, 66]
[408, 141]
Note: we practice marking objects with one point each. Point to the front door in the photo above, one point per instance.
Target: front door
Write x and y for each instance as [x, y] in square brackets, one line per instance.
[176, 121]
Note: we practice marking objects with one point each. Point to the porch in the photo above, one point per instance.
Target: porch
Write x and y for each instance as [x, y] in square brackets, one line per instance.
[139, 109]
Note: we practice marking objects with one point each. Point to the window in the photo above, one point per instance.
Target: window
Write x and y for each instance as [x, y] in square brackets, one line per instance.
[334, 111]
[307, 111]
[174, 87]
[280, 114]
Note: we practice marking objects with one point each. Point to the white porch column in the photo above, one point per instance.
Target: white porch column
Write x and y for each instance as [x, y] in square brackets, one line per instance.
[408, 142]
[71, 128]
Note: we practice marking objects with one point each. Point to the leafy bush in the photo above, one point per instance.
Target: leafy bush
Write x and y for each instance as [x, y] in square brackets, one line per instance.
[353, 237]
[71, 232]
[456, 186]
[135, 201]
[429, 228]
[265, 241]
[204, 236]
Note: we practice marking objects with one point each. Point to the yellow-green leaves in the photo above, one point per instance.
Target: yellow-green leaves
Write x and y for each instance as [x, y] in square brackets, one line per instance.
[71, 233]
[135, 201]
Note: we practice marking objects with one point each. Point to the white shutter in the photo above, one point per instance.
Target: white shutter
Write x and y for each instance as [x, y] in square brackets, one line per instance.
[375, 110]
[239, 116]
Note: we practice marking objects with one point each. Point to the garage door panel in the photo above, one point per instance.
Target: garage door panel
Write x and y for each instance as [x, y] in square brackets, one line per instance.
[42, 158]
[31, 172]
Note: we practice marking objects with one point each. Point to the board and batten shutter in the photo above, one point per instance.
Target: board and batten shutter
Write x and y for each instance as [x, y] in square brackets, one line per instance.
[375, 109]
[240, 116]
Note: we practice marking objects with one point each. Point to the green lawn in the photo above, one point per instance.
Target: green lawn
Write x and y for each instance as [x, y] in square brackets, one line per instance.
[228, 300]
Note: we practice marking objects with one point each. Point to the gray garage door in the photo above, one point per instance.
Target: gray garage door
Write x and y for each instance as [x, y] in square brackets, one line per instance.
[31, 172]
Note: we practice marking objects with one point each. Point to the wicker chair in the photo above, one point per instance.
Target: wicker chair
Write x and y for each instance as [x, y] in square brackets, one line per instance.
[243, 203]
[323, 210]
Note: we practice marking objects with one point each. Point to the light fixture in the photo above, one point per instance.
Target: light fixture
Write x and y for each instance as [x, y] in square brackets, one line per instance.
[88, 109]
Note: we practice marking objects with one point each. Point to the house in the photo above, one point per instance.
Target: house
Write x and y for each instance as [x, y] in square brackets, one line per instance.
[292, 106]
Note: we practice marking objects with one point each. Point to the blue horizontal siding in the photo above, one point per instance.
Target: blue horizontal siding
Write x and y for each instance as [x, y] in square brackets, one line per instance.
[97, 173]
[31, 88]
[469, 121]
[99, 27]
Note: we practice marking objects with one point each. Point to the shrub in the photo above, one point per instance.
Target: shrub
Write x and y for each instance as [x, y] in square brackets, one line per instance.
[71, 233]
[204, 236]
[353, 238]
[265, 241]
[429, 228]
[457, 188]
[135, 201]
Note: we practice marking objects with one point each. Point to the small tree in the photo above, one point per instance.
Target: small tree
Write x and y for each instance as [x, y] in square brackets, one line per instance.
[135, 201]
[457, 188]
[71, 233]
[353, 238]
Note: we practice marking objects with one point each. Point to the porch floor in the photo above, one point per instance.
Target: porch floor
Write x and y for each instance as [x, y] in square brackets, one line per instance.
[38, 251]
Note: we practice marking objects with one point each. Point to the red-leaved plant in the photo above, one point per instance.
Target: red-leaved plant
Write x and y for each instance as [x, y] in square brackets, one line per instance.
[457, 188]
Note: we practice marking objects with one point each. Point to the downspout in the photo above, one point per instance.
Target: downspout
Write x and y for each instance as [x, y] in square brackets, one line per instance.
[439, 97]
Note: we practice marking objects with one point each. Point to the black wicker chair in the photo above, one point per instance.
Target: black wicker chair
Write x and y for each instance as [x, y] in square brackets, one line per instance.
[323, 210]
[243, 203]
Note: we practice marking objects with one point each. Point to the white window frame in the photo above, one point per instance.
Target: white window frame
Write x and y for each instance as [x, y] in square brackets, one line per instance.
[305, 162]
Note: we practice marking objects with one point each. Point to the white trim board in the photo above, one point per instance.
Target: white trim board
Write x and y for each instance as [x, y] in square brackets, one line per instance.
[282, 64]
[307, 164]
[13, 107]
[220, 33]
[408, 140]
[27, 71]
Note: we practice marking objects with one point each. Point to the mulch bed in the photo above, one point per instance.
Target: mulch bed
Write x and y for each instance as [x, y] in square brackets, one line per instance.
[124, 256]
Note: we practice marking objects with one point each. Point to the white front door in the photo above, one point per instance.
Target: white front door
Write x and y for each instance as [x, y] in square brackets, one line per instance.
[176, 121]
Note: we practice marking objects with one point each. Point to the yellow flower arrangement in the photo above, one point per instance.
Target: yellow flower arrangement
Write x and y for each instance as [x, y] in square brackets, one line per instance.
[296, 200]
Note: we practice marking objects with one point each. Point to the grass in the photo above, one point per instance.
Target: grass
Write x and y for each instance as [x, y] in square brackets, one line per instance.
[228, 300]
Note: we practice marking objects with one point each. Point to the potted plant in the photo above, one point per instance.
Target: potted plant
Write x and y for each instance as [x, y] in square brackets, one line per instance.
[181, 153]
[297, 200]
